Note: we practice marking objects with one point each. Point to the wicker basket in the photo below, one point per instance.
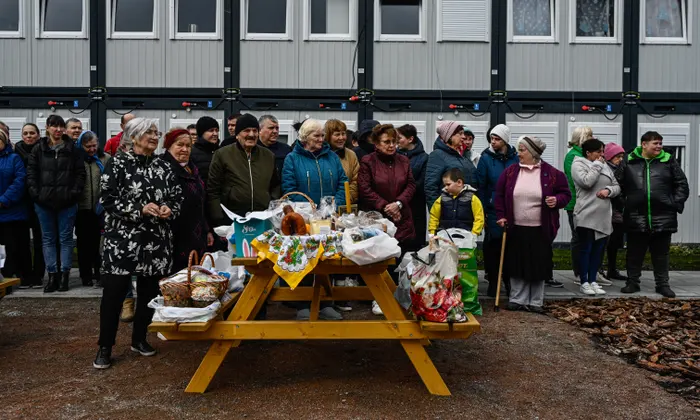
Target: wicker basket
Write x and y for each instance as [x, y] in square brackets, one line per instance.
[178, 294]
[313, 205]
[203, 293]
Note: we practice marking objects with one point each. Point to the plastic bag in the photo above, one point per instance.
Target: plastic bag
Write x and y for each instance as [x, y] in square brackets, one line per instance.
[403, 291]
[468, 276]
[182, 315]
[435, 289]
[375, 248]
[302, 208]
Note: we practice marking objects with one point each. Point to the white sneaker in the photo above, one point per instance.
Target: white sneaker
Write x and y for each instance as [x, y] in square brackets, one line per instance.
[376, 309]
[587, 289]
[577, 280]
[351, 282]
[603, 282]
[598, 290]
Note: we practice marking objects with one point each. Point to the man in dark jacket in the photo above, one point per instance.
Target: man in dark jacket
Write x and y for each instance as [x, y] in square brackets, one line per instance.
[494, 160]
[364, 145]
[656, 190]
[207, 143]
[242, 176]
[269, 134]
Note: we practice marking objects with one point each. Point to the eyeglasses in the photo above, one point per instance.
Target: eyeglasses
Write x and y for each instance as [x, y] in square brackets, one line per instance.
[155, 133]
[389, 142]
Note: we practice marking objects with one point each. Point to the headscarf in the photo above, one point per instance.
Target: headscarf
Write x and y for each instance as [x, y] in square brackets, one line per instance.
[89, 158]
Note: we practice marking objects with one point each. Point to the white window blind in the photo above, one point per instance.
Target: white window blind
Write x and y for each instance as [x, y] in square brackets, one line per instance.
[605, 132]
[463, 20]
[113, 127]
[15, 125]
[548, 132]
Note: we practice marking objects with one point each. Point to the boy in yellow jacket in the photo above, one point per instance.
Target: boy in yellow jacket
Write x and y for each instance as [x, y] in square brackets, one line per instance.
[457, 206]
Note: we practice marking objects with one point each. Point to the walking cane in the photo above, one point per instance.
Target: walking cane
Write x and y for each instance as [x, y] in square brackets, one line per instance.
[496, 308]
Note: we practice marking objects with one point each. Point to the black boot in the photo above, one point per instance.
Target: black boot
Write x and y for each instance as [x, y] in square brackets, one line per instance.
[631, 288]
[52, 283]
[665, 291]
[65, 277]
[616, 275]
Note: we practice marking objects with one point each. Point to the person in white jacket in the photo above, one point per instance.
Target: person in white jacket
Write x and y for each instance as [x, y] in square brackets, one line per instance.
[595, 185]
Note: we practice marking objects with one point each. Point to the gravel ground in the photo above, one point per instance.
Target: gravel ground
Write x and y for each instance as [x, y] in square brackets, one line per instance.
[522, 365]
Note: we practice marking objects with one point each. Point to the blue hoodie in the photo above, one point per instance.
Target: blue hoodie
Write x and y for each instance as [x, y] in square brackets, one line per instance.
[12, 186]
[490, 167]
[316, 175]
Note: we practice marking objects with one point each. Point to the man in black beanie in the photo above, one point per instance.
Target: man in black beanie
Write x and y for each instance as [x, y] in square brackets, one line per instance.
[207, 143]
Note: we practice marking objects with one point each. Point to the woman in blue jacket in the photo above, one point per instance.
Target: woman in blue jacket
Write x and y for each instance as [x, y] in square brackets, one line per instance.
[14, 230]
[312, 168]
[447, 156]
[492, 163]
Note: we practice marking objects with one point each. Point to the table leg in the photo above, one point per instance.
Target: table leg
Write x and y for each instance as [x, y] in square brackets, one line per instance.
[414, 348]
[247, 307]
[315, 300]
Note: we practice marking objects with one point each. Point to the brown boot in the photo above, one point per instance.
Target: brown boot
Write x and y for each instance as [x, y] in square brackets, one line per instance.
[127, 314]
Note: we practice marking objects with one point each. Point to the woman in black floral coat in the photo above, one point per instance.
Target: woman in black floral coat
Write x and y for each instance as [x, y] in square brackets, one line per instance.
[141, 196]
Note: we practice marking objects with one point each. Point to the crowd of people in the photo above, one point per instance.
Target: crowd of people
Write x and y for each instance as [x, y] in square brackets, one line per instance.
[147, 211]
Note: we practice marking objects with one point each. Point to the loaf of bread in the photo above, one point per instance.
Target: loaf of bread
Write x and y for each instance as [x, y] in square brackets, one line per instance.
[292, 222]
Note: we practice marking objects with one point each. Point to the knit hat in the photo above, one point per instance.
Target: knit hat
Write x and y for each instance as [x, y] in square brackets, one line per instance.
[172, 136]
[447, 129]
[205, 124]
[502, 131]
[246, 121]
[533, 144]
[612, 150]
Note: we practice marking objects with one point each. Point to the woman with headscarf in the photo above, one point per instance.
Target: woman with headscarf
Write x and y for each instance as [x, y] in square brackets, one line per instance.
[89, 220]
[56, 178]
[528, 198]
[446, 155]
[190, 229]
[24, 148]
[141, 197]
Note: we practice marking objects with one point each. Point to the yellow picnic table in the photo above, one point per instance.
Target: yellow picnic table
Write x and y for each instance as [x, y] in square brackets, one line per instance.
[241, 324]
[5, 283]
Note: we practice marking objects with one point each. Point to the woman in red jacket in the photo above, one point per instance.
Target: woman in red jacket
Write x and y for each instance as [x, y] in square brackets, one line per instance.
[386, 185]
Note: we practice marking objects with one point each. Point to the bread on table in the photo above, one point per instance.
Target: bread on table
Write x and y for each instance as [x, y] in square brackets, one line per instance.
[292, 222]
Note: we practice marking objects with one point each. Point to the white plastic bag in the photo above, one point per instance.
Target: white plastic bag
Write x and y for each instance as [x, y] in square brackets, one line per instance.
[222, 265]
[182, 315]
[372, 250]
[403, 291]
[463, 238]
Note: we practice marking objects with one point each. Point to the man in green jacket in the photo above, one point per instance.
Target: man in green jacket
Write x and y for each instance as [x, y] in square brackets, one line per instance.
[242, 176]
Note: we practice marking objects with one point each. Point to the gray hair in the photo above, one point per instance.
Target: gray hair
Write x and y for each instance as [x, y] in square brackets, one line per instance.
[135, 129]
[73, 120]
[309, 127]
[262, 120]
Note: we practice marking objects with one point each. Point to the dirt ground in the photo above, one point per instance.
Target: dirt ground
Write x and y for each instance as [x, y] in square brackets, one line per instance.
[522, 365]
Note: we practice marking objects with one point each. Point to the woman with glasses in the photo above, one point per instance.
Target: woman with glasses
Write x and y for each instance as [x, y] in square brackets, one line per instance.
[24, 148]
[56, 177]
[141, 196]
[386, 185]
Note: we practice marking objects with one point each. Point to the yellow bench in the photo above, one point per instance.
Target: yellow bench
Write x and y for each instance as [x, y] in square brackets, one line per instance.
[5, 283]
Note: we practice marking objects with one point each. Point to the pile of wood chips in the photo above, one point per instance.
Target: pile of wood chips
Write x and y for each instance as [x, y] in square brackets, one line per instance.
[659, 335]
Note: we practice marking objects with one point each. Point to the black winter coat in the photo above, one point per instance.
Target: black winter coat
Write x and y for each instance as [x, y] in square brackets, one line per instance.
[190, 228]
[202, 154]
[56, 178]
[655, 191]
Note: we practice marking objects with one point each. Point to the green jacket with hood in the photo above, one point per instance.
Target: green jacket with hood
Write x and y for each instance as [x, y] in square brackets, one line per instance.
[575, 151]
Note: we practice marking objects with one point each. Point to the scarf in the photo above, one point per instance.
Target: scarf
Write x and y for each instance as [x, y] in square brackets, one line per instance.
[89, 158]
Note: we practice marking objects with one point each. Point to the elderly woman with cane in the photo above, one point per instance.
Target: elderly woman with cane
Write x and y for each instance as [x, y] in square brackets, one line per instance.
[528, 198]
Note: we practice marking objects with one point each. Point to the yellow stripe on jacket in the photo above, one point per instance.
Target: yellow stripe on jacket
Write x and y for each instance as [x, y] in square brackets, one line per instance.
[477, 210]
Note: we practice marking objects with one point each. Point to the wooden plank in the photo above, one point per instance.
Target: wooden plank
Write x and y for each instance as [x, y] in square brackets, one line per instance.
[389, 281]
[302, 293]
[325, 283]
[434, 326]
[472, 325]
[162, 326]
[9, 282]
[256, 290]
[307, 330]
[315, 300]
[203, 326]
